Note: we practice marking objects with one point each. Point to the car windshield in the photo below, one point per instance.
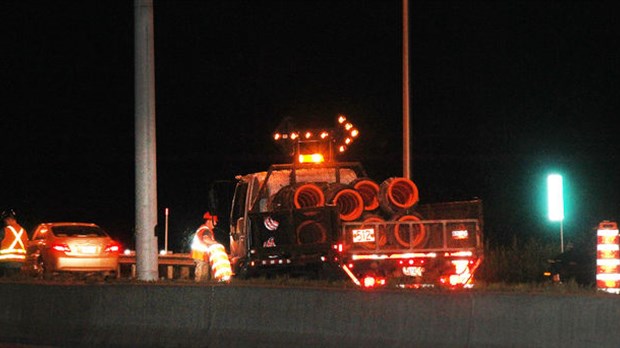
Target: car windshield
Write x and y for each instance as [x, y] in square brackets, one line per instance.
[78, 231]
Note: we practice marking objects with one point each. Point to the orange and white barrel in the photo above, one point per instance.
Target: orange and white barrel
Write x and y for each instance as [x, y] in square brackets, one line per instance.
[608, 257]
[220, 265]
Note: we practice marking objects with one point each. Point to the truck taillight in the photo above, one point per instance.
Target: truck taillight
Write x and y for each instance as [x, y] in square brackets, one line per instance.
[411, 262]
[460, 275]
[337, 247]
[371, 282]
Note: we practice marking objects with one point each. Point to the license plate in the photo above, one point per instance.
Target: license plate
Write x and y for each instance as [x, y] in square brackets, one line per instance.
[413, 271]
[364, 235]
[88, 249]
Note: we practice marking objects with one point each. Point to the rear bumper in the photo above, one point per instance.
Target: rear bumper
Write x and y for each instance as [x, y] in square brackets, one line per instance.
[84, 264]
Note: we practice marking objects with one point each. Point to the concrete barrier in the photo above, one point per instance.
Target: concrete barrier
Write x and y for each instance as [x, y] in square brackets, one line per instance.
[123, 315]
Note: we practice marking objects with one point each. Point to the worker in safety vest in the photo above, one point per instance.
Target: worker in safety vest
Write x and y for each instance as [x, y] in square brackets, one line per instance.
[13, 244]
[210, 256]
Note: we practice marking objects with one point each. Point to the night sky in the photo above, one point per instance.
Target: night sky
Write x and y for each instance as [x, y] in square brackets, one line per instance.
[503, 93]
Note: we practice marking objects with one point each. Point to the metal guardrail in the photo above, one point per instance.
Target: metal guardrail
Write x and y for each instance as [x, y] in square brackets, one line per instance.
[171, 266]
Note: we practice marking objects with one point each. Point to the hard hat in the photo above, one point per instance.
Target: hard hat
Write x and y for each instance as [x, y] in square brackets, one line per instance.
[208, 216]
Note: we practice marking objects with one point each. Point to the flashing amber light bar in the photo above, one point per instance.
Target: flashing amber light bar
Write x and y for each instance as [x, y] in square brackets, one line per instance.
[312, 158]
[306, 135]
[342, 138]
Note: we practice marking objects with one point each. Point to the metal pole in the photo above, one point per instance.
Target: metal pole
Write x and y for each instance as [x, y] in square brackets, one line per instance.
[562, 236]
[146, 175]
[406, 114]
[166, 233]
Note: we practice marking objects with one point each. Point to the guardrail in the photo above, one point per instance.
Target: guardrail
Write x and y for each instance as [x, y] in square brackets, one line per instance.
[171, 266]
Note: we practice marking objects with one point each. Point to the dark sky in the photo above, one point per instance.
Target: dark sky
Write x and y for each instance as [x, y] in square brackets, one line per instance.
[503, 93]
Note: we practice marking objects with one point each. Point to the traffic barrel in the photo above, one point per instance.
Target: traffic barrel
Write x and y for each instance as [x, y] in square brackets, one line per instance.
[219, 262]
[608, 257]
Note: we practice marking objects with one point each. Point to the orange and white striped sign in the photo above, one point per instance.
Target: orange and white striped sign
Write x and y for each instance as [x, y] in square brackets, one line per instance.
[608, 257]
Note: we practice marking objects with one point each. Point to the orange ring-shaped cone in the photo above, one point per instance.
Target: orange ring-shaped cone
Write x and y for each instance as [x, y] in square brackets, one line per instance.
[369, 190]
[419, 231]
[308, 196]
[380, 234]
[398, 195]
[349, 203]
[309, 227]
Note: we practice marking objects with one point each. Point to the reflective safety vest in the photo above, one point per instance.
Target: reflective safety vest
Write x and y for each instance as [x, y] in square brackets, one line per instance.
[199, 245]
[13, 247]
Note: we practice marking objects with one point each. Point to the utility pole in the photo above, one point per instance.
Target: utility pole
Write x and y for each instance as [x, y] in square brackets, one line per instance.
[406, 113]
[146, 159]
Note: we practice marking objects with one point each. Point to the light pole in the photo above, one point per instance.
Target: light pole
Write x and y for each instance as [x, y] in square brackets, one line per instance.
[406, 113]
[555, 199]
[146, 166]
